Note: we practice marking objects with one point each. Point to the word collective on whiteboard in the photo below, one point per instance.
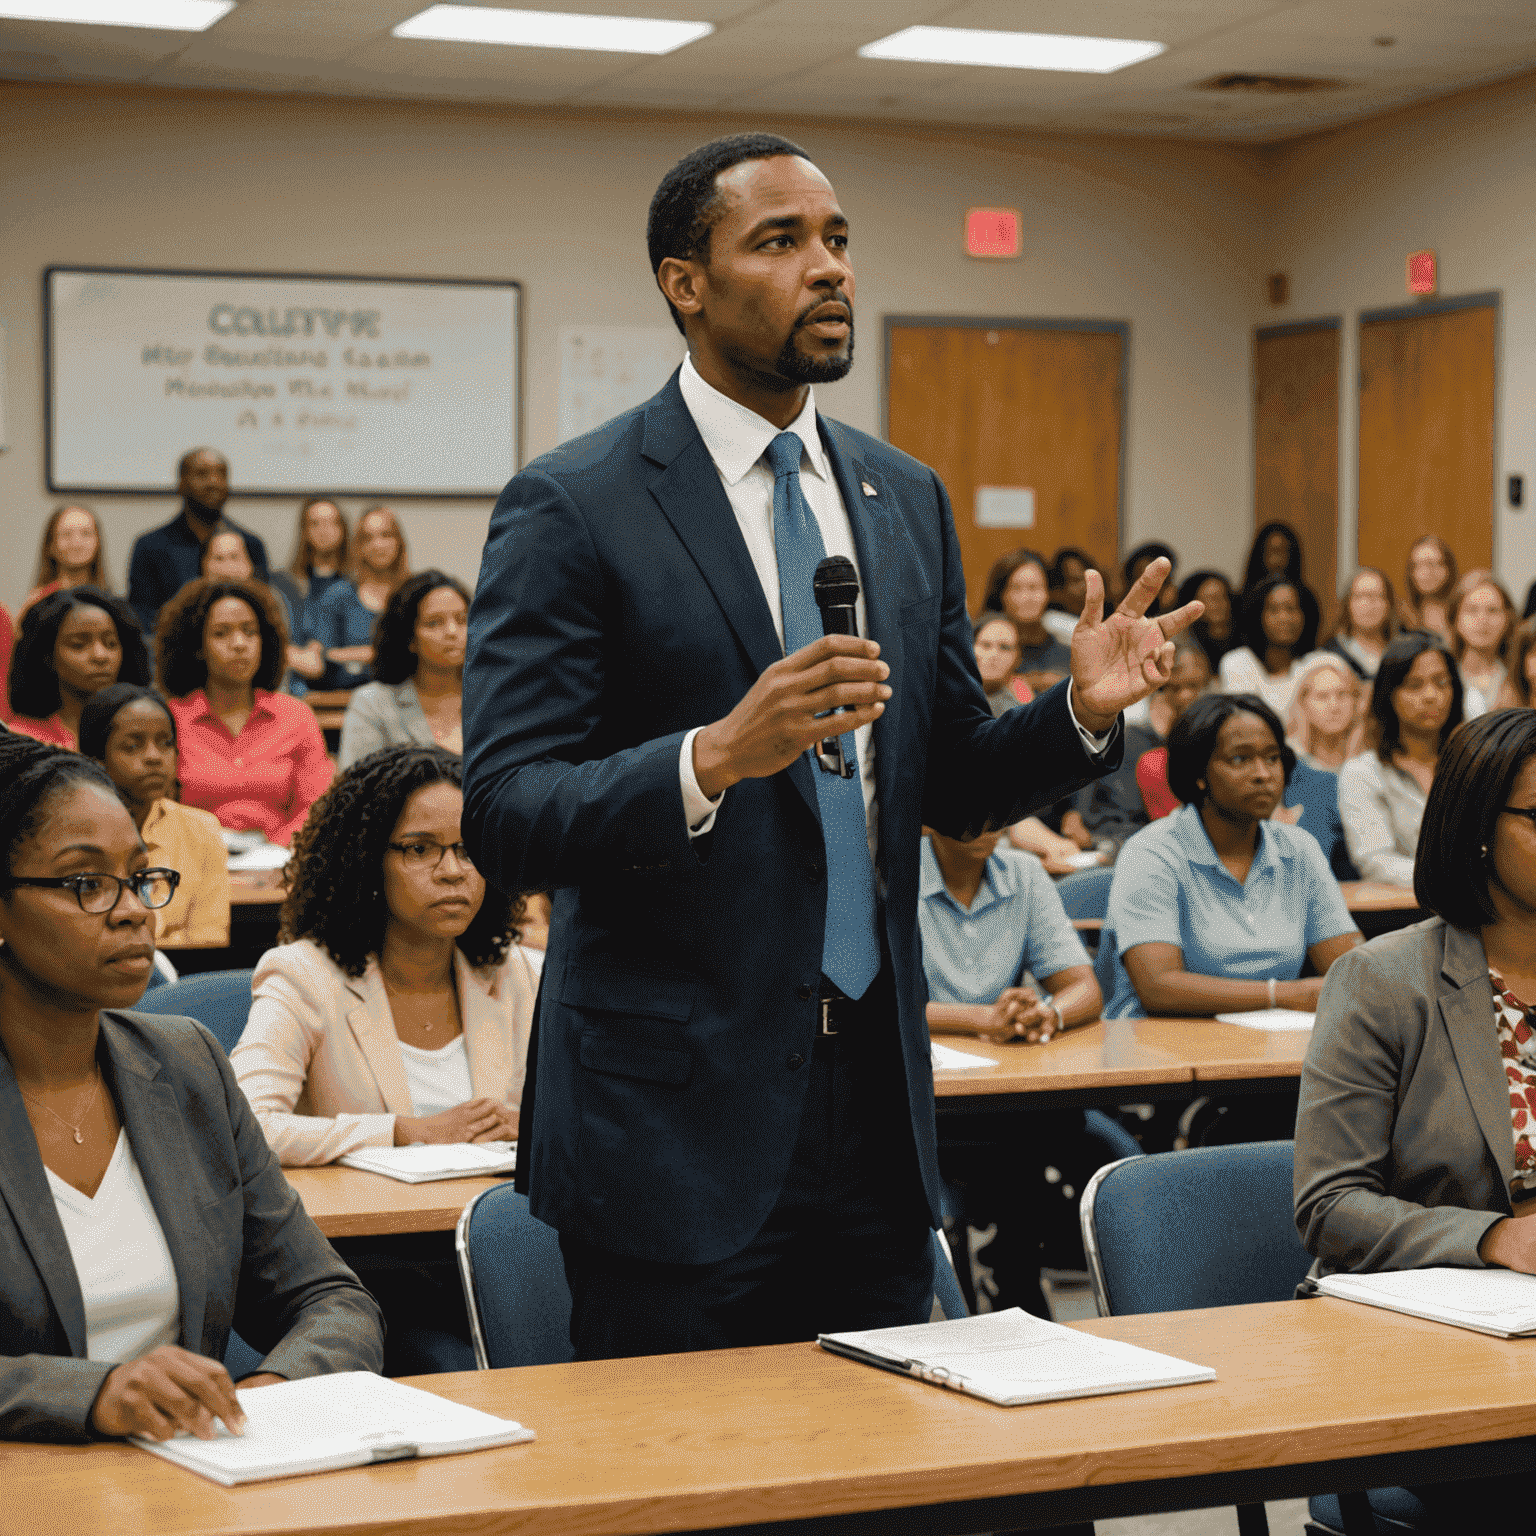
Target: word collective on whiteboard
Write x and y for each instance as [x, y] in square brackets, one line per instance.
[306, 384]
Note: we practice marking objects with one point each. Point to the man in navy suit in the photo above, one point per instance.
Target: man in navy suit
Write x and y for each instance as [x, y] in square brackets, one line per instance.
[729, 1116]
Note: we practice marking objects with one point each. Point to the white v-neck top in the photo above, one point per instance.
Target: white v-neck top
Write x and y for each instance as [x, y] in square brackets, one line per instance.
[438, 1079]
[127, 1279]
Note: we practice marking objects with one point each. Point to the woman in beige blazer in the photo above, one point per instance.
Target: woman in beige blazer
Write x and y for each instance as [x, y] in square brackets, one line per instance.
[401, 972]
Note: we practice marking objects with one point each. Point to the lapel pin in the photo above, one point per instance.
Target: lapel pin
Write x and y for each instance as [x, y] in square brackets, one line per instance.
[869, 490]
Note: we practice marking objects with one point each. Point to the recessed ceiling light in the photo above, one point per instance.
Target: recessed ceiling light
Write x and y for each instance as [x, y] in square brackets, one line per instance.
[1011, 50]
[168, 15]
[552, 29]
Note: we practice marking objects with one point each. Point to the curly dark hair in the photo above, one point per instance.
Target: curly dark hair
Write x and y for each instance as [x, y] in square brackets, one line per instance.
[33, 682]
[179, 634]
[336, 875]
[393, 658]
[688, 204]
[31, 774]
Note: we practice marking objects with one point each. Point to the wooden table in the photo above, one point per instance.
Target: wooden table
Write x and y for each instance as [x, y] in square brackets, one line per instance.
[347, 1202]
[1309, 1397]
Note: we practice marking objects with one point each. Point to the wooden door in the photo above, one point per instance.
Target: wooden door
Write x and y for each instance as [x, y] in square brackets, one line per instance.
[1296, 444]
[1014, 405]
[1427, 408]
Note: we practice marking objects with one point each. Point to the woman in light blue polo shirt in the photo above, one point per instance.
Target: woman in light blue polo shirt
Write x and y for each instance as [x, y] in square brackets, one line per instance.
[1215, 908]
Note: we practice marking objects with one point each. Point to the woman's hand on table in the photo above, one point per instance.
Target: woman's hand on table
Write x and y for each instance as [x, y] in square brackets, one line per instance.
[474, 1120]
[1511, 1243]
[167, 1390]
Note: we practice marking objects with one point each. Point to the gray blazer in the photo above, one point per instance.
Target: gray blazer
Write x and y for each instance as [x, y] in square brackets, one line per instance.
[1404, 1149]
[382, 715]
[246, 1255]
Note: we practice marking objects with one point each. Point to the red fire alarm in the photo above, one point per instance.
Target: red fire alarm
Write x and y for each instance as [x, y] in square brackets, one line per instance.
[1422, 277]
[992, 232]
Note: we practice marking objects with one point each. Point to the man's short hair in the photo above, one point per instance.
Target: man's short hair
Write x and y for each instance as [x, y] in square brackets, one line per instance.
[192, 453]
[1477, 769]
[1192, 741]
[688, 204]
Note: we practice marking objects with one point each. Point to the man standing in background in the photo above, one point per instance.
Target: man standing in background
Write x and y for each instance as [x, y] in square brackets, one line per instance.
[165, 559]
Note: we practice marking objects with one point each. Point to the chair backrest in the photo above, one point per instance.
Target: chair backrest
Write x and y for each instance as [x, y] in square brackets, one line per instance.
[218, 1000]
[1210, 1227]
[1085, 892]
[514, 1283]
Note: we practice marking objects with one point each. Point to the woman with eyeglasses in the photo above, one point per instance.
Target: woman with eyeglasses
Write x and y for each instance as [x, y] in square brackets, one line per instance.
[144, 1215]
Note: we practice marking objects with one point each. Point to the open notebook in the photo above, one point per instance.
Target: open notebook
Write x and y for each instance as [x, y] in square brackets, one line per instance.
[1011, 1358]
[324, 1423]
[421, 1163]
[1497, 1301]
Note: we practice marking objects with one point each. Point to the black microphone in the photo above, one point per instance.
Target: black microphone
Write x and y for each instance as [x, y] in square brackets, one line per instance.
[836, 586]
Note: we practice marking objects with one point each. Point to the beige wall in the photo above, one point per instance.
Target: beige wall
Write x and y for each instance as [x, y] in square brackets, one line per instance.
[1457, 176]
[1167, 237]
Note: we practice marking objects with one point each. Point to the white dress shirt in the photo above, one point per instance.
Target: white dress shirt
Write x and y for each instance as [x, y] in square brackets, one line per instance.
[737, 438]
[127, 1278]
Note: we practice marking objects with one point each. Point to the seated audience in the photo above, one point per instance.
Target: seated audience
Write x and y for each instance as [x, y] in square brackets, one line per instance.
[996, 642]
[418, 667]
[165, 559]
[129, 730]
[72, 645]
[345, 616]
[1276, 632]
[1018, 587]
[1482, 619]
[1137, 561]
[72, 554]
[1431, 575]
[1367, 622]
[1003, 963]
[1423, 1045]
[1327, 724]
[145, 1214]
[397, 1008]
[252, 756]
[1113, 806]
[1216, 907]
[1276, 551]
[1516, 690]
[225, 558]
[1069, 569]
[1214, 628]
[1415, 705]
[320, 560]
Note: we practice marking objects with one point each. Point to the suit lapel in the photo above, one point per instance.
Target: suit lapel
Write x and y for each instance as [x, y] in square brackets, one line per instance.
[373, 1027]
[24, 1188]
[157, 1133]
[1466, 1006]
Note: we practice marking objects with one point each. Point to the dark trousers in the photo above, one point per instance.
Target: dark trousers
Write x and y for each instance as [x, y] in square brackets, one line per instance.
[847, 1245]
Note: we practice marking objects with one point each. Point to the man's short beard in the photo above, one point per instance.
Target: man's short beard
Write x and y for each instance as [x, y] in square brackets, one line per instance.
[795, 365]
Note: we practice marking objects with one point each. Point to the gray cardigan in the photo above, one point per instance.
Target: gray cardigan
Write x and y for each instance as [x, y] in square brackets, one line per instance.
[382, 715]
[1404, 1147]
[246, 1254]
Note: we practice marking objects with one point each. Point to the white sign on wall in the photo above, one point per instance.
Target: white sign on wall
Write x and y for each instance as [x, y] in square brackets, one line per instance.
[1005, 506]
[606, 370]
[361, 386]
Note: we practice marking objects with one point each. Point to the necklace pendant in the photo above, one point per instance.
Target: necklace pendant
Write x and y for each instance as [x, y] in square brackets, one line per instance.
[79, 1139]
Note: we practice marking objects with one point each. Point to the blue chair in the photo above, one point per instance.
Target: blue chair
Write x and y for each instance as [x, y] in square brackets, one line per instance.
[218, 1000]
[1085, 892]
[1210, 1227]
[514, 1283]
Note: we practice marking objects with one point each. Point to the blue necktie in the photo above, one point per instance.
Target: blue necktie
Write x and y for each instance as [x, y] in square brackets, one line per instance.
[850, 952]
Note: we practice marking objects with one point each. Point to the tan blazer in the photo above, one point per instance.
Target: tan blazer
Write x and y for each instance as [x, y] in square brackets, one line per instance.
[1404, 1148]
[320, 1061]
[183, 838]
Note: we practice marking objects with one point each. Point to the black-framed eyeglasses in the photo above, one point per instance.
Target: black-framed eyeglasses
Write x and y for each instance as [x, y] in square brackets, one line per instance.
[100, 894]
[420, 854]
[1528, 811]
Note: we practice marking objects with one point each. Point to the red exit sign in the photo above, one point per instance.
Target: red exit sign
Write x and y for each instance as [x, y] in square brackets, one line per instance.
[1423, 278]
[992, 232]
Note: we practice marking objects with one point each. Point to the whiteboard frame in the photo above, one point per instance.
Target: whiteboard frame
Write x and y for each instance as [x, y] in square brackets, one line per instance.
[394, 493]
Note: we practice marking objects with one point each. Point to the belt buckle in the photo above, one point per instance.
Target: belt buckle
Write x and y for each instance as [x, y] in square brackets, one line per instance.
[826, 1017]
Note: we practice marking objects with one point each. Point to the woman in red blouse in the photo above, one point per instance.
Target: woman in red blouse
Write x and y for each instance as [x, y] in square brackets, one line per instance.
[252, 756]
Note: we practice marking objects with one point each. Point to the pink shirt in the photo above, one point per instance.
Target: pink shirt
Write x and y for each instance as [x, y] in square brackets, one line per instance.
[52, 731]
[266, 778]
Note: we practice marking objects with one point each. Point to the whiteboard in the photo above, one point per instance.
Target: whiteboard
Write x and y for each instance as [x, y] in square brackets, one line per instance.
[606, 370]
[307, 385]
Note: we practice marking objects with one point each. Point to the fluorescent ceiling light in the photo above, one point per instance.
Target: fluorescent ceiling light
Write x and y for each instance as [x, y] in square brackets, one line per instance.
[552, 29]
[168, 15]
[1011, 50]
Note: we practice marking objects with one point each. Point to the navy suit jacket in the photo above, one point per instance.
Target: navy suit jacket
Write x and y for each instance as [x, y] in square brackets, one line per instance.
[617, 609]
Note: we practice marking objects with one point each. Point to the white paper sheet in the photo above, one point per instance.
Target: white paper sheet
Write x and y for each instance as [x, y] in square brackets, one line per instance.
[421, 1163]
[947, 1059]
[1272, 1019]
[1497, 1301]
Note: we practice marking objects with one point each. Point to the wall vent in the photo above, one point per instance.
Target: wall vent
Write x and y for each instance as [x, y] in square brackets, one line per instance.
[1267, 85]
